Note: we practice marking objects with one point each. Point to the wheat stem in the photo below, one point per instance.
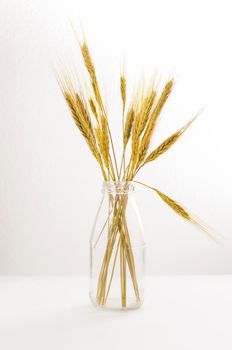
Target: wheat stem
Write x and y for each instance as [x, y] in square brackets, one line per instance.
[177, 208]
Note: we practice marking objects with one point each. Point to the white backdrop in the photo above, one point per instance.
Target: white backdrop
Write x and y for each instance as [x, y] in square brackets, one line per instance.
[49, 183]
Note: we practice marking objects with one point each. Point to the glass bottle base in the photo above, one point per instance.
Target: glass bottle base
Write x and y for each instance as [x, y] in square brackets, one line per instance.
[116, 304]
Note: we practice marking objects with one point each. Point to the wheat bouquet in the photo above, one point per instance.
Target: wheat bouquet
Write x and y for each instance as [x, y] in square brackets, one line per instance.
[139, 121]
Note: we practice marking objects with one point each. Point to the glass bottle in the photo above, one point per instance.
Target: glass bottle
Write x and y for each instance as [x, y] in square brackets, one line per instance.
[117, 250]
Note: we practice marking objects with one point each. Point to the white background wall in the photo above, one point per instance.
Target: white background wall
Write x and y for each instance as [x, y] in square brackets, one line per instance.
[49, 183]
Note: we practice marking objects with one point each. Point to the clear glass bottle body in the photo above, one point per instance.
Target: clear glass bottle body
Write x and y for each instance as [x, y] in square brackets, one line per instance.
[117, 250]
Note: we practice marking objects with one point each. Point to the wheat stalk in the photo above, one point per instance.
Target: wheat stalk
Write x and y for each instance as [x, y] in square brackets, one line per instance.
[135, 141]
[128, 126]
[82, 124]
[82, 120]
[123, 91]
[84, 113]
[105, 141]
[93, 78]
[145, 110]
[153, 120]
[123, 96]
[93, 109]
[92, 73]
[179, 209]
[168, 143]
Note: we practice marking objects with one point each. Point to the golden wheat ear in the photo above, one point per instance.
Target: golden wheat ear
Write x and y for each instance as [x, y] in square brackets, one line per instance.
[89, 65]
[123, 90]
[146, 139]
[128, 126]
[169, 142]
[181, 211]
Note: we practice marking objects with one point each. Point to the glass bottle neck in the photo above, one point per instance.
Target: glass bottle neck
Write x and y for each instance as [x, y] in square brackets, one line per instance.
[118, 187]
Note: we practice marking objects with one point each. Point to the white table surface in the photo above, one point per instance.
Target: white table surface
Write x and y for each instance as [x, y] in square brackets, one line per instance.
[180, 312]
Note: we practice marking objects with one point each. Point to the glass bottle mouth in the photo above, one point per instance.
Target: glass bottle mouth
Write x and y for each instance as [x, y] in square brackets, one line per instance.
[118, 187]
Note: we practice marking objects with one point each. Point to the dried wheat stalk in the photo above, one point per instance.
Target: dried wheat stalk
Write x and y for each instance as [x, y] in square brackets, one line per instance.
[153, 120]
[168, 143]
[123, 91]
[128, 125]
